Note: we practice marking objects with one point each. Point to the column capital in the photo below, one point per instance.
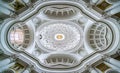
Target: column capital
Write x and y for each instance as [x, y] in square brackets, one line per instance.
[105, 57]
[118, 52]
[14, 57]
[89, 67]
[1, 52]
[30, 66]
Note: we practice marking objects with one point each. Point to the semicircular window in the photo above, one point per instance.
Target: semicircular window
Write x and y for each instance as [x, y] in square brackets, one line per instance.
[100, 36]
[19, 36]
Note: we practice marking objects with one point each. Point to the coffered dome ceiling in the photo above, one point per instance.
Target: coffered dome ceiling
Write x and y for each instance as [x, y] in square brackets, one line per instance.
[60, 36]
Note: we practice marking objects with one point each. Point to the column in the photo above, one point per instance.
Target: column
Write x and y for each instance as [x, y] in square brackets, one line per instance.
[113, 6]
[27, 70]
[112, 66]
[114, 11]
[5, 12]
[94, 2]
[113, 61]
[5, 61]
[6, 66]
[5, 3]
[93, 70]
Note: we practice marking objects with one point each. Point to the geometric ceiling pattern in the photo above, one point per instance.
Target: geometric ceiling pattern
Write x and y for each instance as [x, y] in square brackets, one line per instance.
[59, 36]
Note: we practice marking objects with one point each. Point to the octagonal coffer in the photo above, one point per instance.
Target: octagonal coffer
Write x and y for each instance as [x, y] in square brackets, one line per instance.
[100, 36]
[19, 36]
